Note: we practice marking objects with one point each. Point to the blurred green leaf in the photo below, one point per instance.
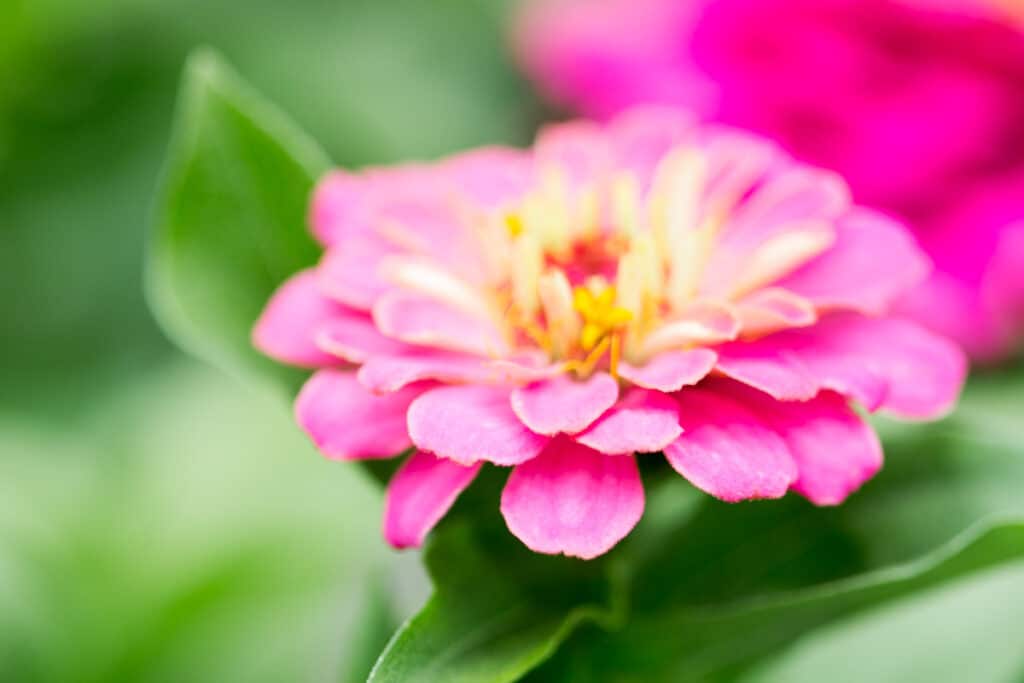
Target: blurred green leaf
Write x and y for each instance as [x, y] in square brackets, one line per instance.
[498, 610]
[717, 643]
[969, 631]
[184, 531]
[231, 219]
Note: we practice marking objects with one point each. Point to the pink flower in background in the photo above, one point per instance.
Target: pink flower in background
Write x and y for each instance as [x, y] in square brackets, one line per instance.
[919, 104]
[645, 286]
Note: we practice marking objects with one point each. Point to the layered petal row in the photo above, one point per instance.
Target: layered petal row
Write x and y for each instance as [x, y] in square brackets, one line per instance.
[620, 291]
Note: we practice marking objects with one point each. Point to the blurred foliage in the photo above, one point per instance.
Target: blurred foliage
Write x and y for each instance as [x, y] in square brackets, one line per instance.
[87, 93]
[184, 532]
[156, 523]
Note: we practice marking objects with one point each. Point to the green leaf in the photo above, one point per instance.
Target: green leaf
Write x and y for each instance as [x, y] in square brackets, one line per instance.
[498, 610]
[969, 631]
[719, 642]
[230, 219]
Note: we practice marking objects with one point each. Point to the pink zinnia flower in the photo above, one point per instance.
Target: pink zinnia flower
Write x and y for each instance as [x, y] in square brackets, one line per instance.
[919, 104]
[641, 287]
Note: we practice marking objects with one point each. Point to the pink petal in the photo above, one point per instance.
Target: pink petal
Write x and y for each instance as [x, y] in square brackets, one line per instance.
[642, 136]
[727, 450]
[351, 271]
[924, 372]
[834, 449]
[564, 404]
[644, 421]
[670, 371]
[420, 494]
[425, 321]
[433, 226]
[953, 308]
[468, 424]
[579, 148]
[705, 322]
[287, 328]
[794, 196]
[882, 362]
[831, 367]
[338, 207]
[390, 373]
[773, 309]
[737, 161]
[347, 422]
[355, 338]
[1004, 283]
[769, 365]
[573, 500]
[873, 261]
[491, 176]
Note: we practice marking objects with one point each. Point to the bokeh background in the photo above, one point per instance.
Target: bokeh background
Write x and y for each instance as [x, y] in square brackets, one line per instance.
[158, 520]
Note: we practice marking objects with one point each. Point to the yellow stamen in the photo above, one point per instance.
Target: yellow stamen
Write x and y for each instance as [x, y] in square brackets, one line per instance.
[540, 337]
[514, 224]
[616, 352]
[603, 324]
[586, 366]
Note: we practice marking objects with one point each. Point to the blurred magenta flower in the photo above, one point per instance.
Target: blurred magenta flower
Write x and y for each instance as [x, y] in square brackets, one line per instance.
[919, 104]
[644, 286]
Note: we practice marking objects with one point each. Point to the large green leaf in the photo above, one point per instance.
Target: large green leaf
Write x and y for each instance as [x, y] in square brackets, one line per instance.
[498, 610]
[231, 218]
[969, 631]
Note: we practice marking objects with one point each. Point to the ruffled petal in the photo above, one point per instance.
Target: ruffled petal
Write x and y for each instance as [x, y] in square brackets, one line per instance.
[492, 177]
[578, 148]
[288, 326]
[355, 338]
[871, 263]
[390, 373]
[791, 197]
[468, 424]
[642, 136]
[883, 363]
[773, 309]
[351, 272]
[420, 494]
[924, 372]
[347, 422]
[670, 370]
[770, 365]
[644, 421]
[564, 404]
[425, 321]
[834, 449]
[727, 450]
[338, 208]
[573, 500]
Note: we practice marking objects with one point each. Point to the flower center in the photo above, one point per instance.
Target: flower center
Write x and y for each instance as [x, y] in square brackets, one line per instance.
[595, 268]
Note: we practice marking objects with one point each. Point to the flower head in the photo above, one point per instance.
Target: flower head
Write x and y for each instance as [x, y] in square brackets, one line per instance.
[637, 287]
[918, 104]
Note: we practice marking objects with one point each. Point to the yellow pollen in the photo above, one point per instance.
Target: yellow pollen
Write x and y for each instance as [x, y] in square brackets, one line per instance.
[514, 224]
[603, 323]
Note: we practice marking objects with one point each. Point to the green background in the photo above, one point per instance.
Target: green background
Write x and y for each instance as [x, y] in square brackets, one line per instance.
[161, 521]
